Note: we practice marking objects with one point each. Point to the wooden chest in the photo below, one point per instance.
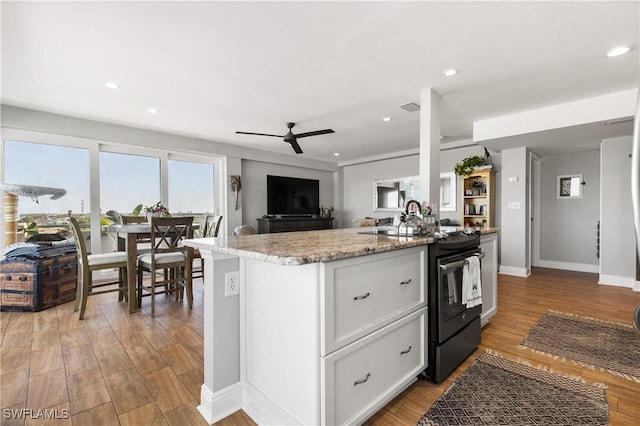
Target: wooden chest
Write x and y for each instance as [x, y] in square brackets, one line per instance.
[29, 284]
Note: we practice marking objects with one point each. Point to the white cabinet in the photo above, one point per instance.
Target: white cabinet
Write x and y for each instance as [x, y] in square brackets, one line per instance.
[364, 293]
[360, 376]
[331, 343]
[489, 246]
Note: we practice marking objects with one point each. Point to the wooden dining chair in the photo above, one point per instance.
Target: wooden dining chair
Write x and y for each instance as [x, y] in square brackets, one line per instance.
[87, 263]
[128, 220]
[211, 229]
[167, 254]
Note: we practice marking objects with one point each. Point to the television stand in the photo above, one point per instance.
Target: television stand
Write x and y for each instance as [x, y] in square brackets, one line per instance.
[293, 223]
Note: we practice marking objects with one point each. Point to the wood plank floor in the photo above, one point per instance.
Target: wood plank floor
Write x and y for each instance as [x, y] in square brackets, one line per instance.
[114, 368]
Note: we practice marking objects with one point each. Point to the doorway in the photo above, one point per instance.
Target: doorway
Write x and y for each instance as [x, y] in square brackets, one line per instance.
[534, 210]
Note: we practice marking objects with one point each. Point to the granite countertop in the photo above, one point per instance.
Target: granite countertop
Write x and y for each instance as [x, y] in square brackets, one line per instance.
[299, 248]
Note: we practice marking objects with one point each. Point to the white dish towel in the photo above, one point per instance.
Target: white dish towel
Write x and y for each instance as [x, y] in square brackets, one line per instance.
[471, 283]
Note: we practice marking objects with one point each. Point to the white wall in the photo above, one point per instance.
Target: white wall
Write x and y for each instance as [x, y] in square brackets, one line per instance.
[617, 244]
[358, 185]
[514, 221]
[254, 186]
[568, 226]
[26, 119]
[97, 131]
[358, 182]
[226, 334]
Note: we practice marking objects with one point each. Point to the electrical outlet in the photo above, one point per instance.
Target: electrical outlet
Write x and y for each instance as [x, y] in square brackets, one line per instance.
[231, 283]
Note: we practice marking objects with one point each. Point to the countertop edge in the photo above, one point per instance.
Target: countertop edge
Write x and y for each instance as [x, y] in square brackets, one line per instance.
[276, 250]
[210, 244]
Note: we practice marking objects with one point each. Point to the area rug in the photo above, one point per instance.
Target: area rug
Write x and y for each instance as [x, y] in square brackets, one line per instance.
[497, 391]
[590, 342]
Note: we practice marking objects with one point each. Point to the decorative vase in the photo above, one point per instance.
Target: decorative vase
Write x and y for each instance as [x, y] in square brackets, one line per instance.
[150, 215]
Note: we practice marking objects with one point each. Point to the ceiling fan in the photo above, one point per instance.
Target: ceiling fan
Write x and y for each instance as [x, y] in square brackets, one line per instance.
[290, 138]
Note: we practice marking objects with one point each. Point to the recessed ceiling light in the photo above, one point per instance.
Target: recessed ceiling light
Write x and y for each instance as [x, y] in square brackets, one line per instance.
[387, 119]
[621, 50]
[153, 111]
[337, 154]
[112, 85]
[450, 73]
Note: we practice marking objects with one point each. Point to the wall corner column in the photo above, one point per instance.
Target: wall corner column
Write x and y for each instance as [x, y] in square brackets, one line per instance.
[430, 147]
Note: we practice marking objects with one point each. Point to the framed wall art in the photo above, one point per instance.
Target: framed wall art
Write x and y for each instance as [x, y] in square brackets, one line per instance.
[569, 187]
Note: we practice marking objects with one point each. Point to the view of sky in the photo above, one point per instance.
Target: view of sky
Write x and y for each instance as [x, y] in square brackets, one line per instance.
[125, 180]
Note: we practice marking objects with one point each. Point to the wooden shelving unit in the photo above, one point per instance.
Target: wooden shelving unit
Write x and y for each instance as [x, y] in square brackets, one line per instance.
[478, 199]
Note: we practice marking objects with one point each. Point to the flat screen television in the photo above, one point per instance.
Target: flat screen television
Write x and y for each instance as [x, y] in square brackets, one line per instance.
[292, 196]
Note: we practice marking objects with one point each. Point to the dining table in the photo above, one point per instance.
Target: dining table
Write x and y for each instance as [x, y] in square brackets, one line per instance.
[128, 237]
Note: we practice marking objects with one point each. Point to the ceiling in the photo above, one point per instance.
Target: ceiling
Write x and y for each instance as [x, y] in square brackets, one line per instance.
[212, 68]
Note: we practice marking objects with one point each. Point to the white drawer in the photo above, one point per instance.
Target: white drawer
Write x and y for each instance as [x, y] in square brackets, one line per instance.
[360, 378]
[363, 294]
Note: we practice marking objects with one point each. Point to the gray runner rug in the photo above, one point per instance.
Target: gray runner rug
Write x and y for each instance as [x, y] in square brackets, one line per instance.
[589, 342]
[497, 391]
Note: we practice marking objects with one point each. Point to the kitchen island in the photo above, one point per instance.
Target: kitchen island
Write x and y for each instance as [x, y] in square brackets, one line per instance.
[332, 324]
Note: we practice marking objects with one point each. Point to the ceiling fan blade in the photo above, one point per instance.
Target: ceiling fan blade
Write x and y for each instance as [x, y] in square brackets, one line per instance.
[296, 147]
[314, 133]
[259, 134]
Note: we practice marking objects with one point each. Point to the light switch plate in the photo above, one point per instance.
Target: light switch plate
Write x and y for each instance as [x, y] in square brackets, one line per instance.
[514, 205]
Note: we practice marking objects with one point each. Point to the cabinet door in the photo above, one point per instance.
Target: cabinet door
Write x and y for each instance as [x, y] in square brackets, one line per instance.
[360, 378]
[365, 293]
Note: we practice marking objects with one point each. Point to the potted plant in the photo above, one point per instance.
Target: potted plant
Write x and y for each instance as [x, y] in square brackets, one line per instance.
[158, 209]
[468, 165]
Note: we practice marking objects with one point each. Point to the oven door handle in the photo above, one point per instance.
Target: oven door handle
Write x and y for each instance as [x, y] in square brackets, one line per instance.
[459, 263]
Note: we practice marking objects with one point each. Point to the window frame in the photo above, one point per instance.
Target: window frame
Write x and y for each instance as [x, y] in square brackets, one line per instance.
[95, 147]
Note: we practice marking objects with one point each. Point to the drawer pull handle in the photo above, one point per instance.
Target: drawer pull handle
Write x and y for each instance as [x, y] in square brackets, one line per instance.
[22, 278]
[362, 297]
[405, 282]
[8, 278]
[361, 381]
[406, 351]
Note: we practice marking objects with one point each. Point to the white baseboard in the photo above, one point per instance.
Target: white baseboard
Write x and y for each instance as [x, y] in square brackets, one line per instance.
[618, 281]
[262, 409]
[215, 406]
[512, 270]
[570, 266]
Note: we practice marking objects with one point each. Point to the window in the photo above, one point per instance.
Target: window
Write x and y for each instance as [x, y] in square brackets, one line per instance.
[190, 187]
[448, 192]
[51, 166]
[100, 177]
[128, 180]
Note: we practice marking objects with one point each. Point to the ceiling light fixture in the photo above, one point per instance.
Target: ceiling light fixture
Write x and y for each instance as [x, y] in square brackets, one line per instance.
[153, 111]
[112, 85]
[621, 50]
[387, 119]
[450, 73]
[337, 154]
